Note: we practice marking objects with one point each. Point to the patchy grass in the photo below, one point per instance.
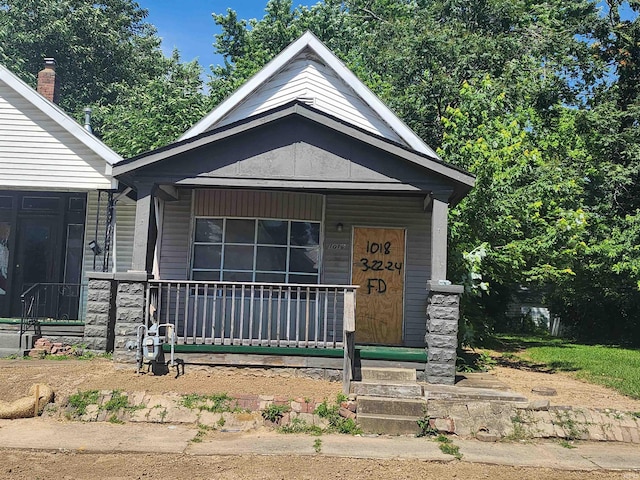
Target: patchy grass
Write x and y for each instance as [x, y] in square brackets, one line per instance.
[81, 400]
[611, 366]
[218, 403]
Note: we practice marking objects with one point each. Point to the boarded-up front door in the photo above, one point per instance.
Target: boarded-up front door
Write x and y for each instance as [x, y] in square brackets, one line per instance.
[378, 267]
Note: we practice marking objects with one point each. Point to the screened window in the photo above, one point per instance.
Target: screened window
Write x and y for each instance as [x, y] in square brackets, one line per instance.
[256, 250]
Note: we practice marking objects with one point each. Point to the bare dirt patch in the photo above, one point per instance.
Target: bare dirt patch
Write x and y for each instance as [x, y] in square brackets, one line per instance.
[23, 465]
[69, 376]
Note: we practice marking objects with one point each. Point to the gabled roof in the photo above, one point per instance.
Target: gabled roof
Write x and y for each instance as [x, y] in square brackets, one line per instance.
[56, 114]
[312, 50]
[435, 166]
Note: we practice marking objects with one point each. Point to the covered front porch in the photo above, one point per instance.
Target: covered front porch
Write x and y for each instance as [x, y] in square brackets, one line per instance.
[291, 230]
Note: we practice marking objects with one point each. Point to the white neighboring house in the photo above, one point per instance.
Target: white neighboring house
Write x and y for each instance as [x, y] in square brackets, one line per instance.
[51, 172]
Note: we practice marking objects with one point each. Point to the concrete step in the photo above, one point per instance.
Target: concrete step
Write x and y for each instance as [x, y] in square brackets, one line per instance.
[385, 374]
[408, 407]
[450, 393]
[9, 339]
[387, 389]
[388, 424]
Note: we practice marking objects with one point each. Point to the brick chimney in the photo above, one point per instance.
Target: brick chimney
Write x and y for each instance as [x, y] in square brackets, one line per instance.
[48, 84]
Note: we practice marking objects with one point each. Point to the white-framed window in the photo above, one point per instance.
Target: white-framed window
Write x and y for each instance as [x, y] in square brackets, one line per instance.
[256, 250]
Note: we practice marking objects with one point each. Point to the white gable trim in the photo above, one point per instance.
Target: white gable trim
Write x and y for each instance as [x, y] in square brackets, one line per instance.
[61, 118]
[310, 41]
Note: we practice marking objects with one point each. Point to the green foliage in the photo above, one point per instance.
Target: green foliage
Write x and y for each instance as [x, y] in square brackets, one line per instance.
[98, 46]
[317, 445]
[217, 403]
[337, 423]
[275, 412]
[447, 446]
[614, 367]
[155, 112]
[81, 400]
[297, 425]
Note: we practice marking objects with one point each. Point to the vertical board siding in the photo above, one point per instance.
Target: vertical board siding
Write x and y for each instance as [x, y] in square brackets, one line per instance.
[176, 238]
[381, 211]
[36, 152]
[126, 219]
[309, 80]
[258, 204]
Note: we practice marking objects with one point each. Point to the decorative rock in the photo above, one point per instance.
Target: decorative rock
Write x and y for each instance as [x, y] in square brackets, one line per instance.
[487, 437]
[544, 391]
[539, 405]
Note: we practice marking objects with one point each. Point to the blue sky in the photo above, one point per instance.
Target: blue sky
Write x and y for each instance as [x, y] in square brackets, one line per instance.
[188, 26]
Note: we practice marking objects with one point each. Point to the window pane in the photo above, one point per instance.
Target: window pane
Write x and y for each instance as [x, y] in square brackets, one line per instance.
[272, 258]
[206, 256]
[238, 257]
[213, 275]
[270, 277]
[304, 260]
[240, 231]
[272, 232]
[237, 276]
[303, 279]
[209, 230]
[305, 233]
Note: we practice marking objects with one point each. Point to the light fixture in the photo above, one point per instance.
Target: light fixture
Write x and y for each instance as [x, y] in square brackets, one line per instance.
[339, 227]
[95, 248]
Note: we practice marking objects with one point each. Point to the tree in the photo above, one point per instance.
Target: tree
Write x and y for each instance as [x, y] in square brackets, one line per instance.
[99, 46]
[152, 114]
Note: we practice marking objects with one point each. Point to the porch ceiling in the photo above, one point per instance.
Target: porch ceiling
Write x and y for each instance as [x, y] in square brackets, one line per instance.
[295, 147]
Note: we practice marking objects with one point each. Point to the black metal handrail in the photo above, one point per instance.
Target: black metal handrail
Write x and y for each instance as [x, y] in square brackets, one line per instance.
[51, 302]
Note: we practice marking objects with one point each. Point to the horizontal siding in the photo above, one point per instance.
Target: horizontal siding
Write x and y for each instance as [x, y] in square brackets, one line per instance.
[36, 152]
[307, 78]
[398, 212]
[258, 204]
[176, 238]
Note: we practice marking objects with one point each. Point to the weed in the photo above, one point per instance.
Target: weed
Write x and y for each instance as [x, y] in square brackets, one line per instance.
[221, 422]
[336, 422]
[317, 445]
[117, 402]
[519, 430]
[447, 447]
[635, 414]
[81, 400]
[571, 428]
[567, 444]
[274, 413]
[217, 403]
[202, 431]
[297, 425]
[114, 419]
[426, 430]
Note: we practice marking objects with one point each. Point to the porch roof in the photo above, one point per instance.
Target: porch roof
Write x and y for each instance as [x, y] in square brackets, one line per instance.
[212, 148]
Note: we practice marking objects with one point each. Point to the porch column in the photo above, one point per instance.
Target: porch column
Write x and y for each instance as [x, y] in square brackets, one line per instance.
[439, 213]
[443, 312]
[141, 233]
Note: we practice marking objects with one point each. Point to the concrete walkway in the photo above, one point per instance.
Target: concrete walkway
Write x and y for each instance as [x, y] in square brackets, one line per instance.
[99, 437]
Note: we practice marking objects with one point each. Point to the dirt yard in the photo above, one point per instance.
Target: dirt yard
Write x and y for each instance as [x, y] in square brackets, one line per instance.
[20, 465]
[69, 376]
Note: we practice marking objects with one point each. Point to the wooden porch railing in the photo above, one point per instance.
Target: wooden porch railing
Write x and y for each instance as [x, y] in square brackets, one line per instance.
[259, 314]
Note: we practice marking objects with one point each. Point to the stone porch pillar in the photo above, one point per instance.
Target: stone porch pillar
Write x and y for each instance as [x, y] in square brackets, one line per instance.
[115, 307]
[100, 312]
[443, 313]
